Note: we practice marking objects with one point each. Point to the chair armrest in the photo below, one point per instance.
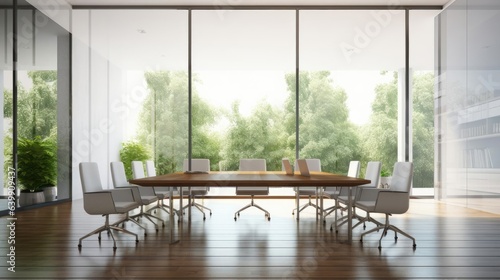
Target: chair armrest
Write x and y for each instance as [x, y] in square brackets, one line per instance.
[392, 202]
[368, 193]
[99, 203]
[123, 195]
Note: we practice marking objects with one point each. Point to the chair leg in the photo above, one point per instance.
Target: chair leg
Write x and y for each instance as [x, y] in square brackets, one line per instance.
[386, 227]
[199, 207]
[148, 216]
[304, 206]
[237, 213]
[107, 227]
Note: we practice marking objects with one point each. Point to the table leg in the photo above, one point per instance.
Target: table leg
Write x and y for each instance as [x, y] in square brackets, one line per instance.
[189, 203]
[172, 215]
[349, 215]
[181, 215]
[297, 202]
[321, 203]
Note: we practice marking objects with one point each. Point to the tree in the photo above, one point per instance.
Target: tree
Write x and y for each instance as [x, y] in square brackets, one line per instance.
[261, 135]
[163, 122]
[381, 133]
[325, 131]
[37, 108]
[423, 130]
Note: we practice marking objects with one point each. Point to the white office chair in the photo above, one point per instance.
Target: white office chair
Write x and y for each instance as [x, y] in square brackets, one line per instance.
[313, 164]
[97, 201]
[372, 173]
[143, 195]
[252, 165]
[395, 200]
[202, 165]
[161, 192]
[334, 192]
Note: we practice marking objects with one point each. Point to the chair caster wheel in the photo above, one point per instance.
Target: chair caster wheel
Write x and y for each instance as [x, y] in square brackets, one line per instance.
[210, 213]
[204, 218]
[269, 218]
[137, 241]
[235, 218]
[145, 234]
[114, 249]
[79, 246]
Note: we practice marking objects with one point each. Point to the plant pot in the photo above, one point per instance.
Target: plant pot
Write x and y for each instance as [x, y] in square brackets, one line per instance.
[50, 193]
[30, 198]
[385, 182]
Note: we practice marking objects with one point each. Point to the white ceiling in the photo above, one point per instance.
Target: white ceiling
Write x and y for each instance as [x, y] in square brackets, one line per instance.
[214, 3]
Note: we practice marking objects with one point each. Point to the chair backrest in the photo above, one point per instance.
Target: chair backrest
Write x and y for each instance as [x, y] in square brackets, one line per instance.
[402, 176]
[197, 164]
[354, 167]
[373, 173]
[90, 178]
[313, 164]
[137, 169]
[150, 168]
[253, 165]
[118, 174]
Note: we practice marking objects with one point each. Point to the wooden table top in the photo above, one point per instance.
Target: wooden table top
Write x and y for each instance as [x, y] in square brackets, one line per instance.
[249, 178]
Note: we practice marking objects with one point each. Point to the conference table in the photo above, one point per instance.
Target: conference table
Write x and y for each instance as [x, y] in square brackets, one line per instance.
[248, 179]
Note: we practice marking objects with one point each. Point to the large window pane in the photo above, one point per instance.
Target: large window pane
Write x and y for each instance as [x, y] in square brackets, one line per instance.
[422, 92]
[133, 81]
[243, 68]
[351, 67]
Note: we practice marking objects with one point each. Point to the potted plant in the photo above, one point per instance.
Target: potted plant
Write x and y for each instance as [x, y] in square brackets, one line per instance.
[37, 168]
[130, 151]
[385, 179]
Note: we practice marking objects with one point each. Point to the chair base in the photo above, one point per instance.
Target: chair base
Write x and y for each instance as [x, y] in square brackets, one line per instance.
[254, 205]
[148, 216]
[304, 206]
[199, 207]
[108, 228]
[386, 227]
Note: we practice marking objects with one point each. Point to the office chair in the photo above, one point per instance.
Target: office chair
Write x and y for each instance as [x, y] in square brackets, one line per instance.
[143, 195]
[202, 165]
[313, 164]
[98, 201]
[252, 165]
[334, 192]
[395, 200]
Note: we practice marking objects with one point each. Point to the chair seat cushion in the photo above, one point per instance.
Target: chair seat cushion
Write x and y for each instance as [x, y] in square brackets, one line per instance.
[368, 206]
[252, 190]
[124, 207]
[148, 199]
[331, 193]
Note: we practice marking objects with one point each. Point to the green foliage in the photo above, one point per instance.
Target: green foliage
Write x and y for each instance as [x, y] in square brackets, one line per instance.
[325, 130]
[131, 151]
[261, 135]
[163, 122]
[165, 164]
[385, 173]
[37, 108]
[37, 163]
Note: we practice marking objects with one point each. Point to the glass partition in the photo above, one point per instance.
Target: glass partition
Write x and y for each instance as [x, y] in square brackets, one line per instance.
[6, 86]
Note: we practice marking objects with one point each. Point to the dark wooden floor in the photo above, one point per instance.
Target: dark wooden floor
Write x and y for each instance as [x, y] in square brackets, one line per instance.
[452, 243]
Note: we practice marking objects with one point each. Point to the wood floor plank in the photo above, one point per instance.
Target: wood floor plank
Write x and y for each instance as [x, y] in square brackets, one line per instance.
[452, 242]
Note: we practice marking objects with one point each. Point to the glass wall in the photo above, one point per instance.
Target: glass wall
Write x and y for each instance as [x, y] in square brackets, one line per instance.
[350, 65]
[133, 87]
[6, 72]
[469, 105]
[40, 84]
